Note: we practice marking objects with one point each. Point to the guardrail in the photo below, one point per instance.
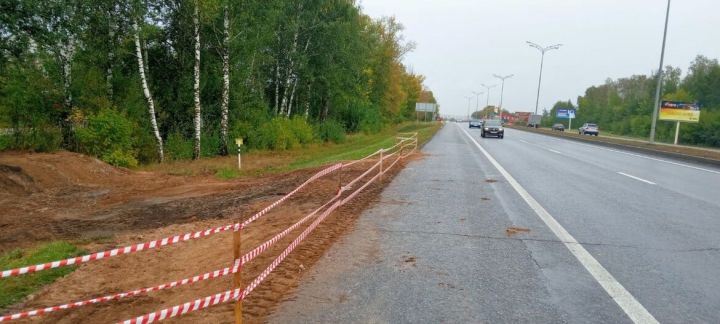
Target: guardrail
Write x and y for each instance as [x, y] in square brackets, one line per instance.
[386, 158]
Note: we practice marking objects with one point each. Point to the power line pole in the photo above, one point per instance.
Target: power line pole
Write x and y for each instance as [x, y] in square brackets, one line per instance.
[660, 78]
[542, 59]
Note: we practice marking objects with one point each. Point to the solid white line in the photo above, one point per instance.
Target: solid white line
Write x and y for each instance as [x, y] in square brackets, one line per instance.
[636, 178]
[617, 292]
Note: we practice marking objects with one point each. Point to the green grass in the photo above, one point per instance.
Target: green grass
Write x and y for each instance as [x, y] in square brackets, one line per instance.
[264, 162]
[14, 289]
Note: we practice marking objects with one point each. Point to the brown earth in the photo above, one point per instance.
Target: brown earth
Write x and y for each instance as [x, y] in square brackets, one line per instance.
[75, 197]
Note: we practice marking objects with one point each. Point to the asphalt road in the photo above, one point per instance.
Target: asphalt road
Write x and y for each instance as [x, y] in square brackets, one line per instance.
[435, 248]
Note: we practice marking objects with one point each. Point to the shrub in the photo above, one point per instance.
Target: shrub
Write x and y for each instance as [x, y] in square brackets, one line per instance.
[275, 134]
[178, 147]
[108, 135]
[371, 122]
[302, 131]
[331, 131]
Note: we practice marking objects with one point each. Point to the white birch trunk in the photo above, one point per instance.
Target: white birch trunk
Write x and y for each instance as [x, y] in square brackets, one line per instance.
[196, 85]
[292, 95]
[226, 82]
[277, 87]
[110, 56]
[290, 75]
[66, 53]
[146, 92]
[307, 103]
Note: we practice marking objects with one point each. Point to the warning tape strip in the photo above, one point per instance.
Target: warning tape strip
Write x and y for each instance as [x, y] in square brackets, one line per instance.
[238, 294]
[188, 307]
[161, 242]
[210, 275]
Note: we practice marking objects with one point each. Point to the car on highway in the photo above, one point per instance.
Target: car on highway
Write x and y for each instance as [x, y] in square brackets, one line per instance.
[476, 123]
[589, 129]
[558, 127]
[492, 127]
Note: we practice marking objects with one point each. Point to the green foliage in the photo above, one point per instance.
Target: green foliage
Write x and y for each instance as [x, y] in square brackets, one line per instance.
[331, 131]
[624, 106]
[13, 290]
[109, 136]
[307, 62]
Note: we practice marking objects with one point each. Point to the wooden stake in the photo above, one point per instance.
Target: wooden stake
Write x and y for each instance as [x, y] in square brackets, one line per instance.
[237, 277]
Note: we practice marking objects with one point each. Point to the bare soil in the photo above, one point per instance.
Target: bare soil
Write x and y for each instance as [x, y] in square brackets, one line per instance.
[74, 197]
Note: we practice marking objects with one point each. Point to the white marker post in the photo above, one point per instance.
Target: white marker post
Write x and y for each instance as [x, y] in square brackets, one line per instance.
[677, 132]
[239, 142]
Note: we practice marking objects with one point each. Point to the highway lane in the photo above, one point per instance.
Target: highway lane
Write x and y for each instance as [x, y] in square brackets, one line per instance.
[435, 248]
[654, 228]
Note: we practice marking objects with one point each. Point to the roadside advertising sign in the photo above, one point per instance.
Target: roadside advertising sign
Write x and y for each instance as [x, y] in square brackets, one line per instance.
[565, 113]
[680, 111]
[425, 107]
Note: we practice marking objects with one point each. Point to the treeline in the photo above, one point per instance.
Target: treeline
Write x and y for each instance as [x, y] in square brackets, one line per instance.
[144, 80]
[624, 106]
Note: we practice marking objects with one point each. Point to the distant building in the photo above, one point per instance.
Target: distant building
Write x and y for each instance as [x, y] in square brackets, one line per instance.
[522, 116]
[507, 117]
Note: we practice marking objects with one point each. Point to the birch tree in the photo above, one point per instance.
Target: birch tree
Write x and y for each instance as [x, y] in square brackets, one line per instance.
[146, 91]
[196, 84]
[226, 81]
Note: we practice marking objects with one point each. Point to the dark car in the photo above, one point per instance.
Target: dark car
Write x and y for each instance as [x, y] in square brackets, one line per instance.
[589, 129]
[476, 123]
[492, 127]
[558, 127]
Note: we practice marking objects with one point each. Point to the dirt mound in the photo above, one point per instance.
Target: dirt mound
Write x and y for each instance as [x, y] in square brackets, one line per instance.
[14, 181]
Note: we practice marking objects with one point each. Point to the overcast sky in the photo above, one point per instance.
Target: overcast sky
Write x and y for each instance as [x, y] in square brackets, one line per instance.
[462, 43]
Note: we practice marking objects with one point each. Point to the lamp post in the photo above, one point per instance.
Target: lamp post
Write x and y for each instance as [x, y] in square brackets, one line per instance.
[477, 99]
[659, 81]
[487, 102]
[542, 59]
[502, 87]
[468, 108]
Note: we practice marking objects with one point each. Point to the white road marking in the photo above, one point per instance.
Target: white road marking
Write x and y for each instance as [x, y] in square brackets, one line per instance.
[636, 178]
[637, 155]
[524, 141]
[626, 301]
[554, 151]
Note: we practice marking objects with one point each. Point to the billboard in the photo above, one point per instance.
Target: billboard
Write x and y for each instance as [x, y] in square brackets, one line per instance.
[425, 107]
[565, 113]
[680, 111]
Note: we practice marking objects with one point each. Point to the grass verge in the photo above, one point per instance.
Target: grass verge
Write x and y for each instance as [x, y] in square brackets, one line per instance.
[15, 289]
[257, 163]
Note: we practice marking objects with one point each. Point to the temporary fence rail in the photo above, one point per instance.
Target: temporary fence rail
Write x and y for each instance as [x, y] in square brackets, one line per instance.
[404, 143]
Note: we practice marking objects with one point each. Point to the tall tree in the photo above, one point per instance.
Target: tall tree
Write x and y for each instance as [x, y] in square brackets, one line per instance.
[146, 91]
[196, 83]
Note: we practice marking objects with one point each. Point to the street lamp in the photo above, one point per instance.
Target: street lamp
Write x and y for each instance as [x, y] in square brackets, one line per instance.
[502, 88]
[468, 109]
[477, 99]
[487, 102]
[542, 59]
[659, 81]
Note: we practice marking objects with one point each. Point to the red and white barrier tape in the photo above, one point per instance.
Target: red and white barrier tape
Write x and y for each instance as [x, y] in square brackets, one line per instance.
[188, 307]
[237, 294]
[161, 242]
[42, 311]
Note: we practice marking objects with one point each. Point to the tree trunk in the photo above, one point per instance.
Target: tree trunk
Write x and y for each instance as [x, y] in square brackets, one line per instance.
[292, 96]
[226, 82]
[307, 103]
[277, 87]
[196, 85]
[110, 55]
[290, 74]
[146, 92]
